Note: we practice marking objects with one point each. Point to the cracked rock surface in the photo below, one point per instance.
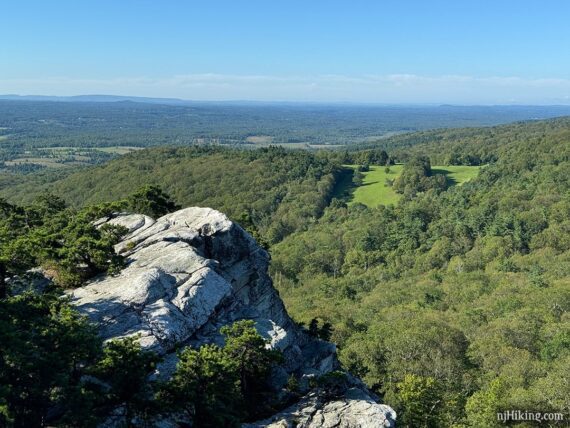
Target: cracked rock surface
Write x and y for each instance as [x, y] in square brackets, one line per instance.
[193, 271]
[355, 409]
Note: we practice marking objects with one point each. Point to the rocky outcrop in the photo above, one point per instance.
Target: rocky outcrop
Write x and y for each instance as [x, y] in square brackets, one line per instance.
[193, 271]
[354, 409]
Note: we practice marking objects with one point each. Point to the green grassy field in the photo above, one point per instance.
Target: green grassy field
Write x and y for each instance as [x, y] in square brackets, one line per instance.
[457, 174]
[374, 190]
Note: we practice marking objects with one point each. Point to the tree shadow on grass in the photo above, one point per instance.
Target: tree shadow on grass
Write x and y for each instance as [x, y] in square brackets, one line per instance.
[344, 188]
[449, 180]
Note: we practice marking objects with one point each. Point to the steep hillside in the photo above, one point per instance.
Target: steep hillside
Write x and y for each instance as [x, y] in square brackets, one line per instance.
[276, 191]
[472, 146]
[462, 296]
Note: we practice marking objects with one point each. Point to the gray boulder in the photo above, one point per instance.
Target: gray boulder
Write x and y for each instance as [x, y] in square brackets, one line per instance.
[193, 271]
[354, 409]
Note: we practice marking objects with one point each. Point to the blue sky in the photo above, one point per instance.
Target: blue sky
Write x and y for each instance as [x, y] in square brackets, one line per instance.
[463, 52]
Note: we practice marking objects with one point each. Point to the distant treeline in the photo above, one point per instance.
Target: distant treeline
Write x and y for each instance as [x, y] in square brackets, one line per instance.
[29, 125]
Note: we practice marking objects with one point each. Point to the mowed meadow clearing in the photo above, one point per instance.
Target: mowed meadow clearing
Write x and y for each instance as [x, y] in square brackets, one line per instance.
[375, 191]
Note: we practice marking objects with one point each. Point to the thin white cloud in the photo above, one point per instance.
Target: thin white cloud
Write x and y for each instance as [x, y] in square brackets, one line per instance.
[390, 88]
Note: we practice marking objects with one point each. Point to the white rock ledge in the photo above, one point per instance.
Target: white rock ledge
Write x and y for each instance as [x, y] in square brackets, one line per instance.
[193, 271]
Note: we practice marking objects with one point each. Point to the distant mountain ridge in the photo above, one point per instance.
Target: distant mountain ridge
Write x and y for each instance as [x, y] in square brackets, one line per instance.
[104, 98]
[93, 99]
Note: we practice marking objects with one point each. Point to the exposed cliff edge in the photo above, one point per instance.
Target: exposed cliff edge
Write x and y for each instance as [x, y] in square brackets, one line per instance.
[193, 271]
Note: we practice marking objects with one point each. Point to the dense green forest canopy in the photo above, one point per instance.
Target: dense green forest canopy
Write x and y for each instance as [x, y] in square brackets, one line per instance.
[452, 304]
[466, 146]
[272, 190]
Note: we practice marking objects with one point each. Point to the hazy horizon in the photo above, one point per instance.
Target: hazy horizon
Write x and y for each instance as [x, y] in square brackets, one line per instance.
[383, 90]
[472, 53]
[87, 97]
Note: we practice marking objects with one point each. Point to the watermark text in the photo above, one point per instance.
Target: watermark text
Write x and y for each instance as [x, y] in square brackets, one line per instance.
[528, 416]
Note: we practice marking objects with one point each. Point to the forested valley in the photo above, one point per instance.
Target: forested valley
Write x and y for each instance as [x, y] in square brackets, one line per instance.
[451, 304]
